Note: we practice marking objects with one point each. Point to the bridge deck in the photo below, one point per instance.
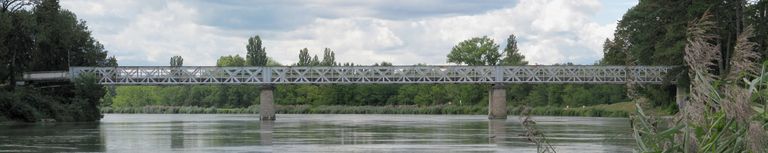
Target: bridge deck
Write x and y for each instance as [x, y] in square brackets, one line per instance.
[47, 76]
[166, 75]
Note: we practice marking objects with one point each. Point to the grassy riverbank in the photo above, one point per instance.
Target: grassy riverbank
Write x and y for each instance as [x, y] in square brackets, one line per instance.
[613, 110]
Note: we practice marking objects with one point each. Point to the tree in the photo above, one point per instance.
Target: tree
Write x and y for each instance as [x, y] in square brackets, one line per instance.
[63, 40]
[512, 54]
[757, 16]
[383, 63]
[257, 55]
[16, 42]
[177, 61]
[230, 60]
[613, 53]
[315, 61]
[304, 58]
[112, 61]
[329, 58]
[14, 5]
[475, 52]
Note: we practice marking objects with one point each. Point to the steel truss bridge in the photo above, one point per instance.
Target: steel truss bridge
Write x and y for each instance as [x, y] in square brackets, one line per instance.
[268, 76]
[167, 75]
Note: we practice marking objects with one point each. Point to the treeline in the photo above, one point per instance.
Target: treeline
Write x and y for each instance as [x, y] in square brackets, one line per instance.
[654, 33]
[475, 51]
[40, 36]
[237, 96]
[389, 109]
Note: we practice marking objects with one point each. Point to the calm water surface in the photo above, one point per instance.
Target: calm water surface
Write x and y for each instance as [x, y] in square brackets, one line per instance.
[313, 133]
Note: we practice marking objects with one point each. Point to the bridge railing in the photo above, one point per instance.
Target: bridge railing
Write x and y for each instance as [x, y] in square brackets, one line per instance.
[159, 75]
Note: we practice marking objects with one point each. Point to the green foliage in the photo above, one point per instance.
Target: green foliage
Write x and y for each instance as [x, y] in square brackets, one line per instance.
[512, 54]
[180, 110]
[755, 15]
[344, 109]
[304, 58]
[475, 52]
[315, 61]
[329, 58]
[112, 62]
[63, 40]
[48, 38]
[383, 63]
[720, 115]
[654, 33]
[198, 95]
[32, 105]
[17, 41]
[230, 60]
[256, 55]
[177, 61]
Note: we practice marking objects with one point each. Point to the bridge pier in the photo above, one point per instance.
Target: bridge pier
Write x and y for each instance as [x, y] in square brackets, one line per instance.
[267, 106]
[681, 93]
[497, 102]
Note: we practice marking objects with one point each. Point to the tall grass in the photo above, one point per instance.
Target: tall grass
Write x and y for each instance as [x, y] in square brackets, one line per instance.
[720, 115]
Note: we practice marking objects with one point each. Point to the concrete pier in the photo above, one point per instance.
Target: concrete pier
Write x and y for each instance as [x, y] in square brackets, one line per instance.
[497, 102]
[267, 106]
[681, 94]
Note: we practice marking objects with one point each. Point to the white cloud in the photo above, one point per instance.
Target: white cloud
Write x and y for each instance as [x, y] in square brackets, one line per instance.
[555, 31]
[152, 36]
[548, 31]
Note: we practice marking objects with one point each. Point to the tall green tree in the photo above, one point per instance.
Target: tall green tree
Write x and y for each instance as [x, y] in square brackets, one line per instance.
[512, 54]
[257, 55]
[475, 52]
[112, 61]
[613, 53]
[63, 40]
[757, 16]
[16, 40]
[177, 61]
[329, 58]
[44, 37]
[304, 58]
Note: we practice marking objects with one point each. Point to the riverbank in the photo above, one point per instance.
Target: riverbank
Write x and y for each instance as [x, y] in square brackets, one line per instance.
[64, 104]
[613, 110]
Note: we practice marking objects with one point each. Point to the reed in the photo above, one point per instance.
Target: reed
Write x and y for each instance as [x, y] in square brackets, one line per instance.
[720, 115]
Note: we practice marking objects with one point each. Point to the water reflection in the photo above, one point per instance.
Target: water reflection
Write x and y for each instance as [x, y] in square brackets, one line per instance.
[313, 133]
[51, 137]
[177, 134]
[265, 132]
[497, 130]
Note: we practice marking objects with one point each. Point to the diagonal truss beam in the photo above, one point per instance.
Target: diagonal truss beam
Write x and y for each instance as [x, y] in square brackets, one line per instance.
[166, 75]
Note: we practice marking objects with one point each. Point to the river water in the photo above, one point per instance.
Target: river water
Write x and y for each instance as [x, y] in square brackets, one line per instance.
[313, 133]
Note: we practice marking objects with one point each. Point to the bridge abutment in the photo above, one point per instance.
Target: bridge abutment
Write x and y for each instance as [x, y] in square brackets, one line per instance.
[497, 102]
[267, 103]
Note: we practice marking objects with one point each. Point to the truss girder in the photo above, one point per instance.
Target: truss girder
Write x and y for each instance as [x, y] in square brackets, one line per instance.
[166, 75]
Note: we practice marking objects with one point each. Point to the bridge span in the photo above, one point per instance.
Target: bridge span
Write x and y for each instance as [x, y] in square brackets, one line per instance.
[269, 76]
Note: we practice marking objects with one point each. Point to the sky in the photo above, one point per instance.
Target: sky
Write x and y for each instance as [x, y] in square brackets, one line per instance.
[404, 32]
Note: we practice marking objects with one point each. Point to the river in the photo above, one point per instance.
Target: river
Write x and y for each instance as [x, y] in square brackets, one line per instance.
[313, 133]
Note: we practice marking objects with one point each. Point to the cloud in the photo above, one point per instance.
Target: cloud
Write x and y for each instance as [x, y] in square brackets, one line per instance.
[363, 32]
[153, 35]
[551, 32]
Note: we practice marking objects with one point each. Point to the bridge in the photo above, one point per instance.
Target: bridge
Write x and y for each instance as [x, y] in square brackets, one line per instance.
[498, 76]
